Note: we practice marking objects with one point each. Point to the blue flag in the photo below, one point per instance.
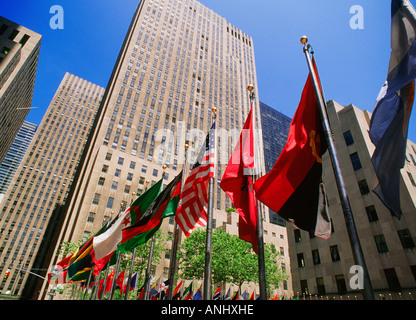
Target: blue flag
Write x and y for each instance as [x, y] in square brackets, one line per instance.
[390, 118]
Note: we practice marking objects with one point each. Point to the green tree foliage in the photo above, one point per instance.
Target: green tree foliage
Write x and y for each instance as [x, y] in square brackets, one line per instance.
[233, 260]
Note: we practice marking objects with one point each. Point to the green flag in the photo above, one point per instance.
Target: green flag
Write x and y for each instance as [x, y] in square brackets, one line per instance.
[137, 208]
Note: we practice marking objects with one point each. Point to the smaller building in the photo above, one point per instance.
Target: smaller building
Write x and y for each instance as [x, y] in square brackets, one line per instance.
[324, 268]
[19, 55]
[15, 155]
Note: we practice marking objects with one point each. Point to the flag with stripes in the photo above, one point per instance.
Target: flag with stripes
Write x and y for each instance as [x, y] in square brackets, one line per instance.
[193, 204]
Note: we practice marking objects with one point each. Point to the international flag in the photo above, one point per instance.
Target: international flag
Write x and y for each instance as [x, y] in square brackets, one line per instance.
[198, 294]
[109, 282]
[193, 206]
[217, 294]
[165, 205]
[294, 188]
[176, 292]
[187, 295]
[390, 119]
[237, 183]
[106, 243]
[228, 295]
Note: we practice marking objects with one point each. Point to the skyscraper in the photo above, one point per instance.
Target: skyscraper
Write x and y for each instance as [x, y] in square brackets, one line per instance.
[19, 55]
[178, 61]
[275, 130]
[31, 208]
[15, 155]
[327, 267]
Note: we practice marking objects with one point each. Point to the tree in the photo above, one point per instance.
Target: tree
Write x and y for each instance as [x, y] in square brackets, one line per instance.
[233, 259]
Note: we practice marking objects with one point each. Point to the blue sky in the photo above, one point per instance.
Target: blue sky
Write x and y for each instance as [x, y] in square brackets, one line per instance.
[352, 62]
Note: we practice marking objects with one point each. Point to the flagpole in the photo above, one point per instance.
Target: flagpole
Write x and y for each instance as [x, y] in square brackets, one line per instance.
[116, 270]
[208, 248]
[349, 219]
[133, 257]
[260, 239]
[175, 244]
[149, 261]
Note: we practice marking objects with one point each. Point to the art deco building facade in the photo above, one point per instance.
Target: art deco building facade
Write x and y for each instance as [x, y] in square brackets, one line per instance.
[19, 55]
[30, 210]
[321, 268]
[178, 61]
[275, 127]
[15, 155]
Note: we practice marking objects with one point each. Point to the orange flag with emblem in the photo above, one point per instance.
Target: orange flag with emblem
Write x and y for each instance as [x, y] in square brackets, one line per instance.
[294, 188]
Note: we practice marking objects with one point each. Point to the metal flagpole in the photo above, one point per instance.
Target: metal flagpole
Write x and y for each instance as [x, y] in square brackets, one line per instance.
[176, 236]
[349, 219]
[116, 270]
[260, 240]
[133, 257]
[207, 295]
[149, 261]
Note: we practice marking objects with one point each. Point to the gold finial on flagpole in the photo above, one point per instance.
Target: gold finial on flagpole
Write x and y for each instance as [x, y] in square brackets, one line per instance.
[304, 40]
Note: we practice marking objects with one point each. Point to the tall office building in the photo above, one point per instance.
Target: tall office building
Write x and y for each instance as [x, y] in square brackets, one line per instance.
[179, 59]
[30, 210]
[275, 131]
[15, 155]
[322, 268]
[19, 55]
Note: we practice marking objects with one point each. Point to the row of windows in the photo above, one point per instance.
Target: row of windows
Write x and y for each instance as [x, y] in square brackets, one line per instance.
[381, 244]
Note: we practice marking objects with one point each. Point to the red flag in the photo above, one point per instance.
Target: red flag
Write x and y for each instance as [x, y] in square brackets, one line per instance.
[120, 280]
[237, 183]
[109, 282]
[293, 188]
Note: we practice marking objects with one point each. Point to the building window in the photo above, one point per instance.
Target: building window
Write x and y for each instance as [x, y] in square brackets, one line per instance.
[363, 187]
[120, 161]
[101, 181]
[321, 286]
[348, 138]
[411, 178]
[301, 260]
[144, 169]
[298, 237]
[392, 279]
[316, 258]
[114, 185]
[371, 214]
[91, 217]
[104, 169]
[304, 286]
[406, 239]
[117, 173]
[356, 163]
[155, 172]
[341, 284]
[96, 199]
[110, 203]
[381, 244]
[108, 156]
[334, 253]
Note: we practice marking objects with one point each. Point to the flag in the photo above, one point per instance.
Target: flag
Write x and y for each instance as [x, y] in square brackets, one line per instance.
[139, 207]
[252, 295]
[192, 211]
[187, 295]
[228, 295]
[294, 188]
[217, 294]
[235, 296]
[106, 243]
[198, 294]
[176, 293]
[390, 119]
[133, 282]
[109, 282]
[237, 183]
[165, 205]
[120, 281]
